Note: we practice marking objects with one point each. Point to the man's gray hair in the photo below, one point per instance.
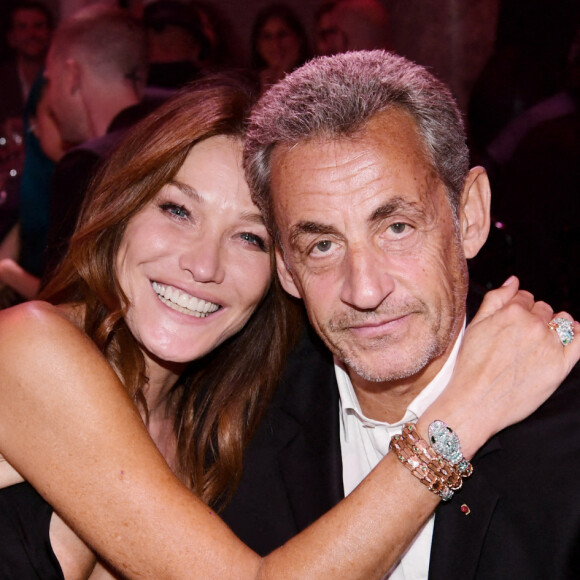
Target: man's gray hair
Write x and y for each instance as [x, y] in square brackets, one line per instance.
[334, 97]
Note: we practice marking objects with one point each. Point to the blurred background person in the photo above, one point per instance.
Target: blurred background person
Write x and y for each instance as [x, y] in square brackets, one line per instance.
[539, 194]
[226, 47]
[23, 250]
[279, 44]
[96, 72]
[29, 31]
[324, 29]
[29, 28]
[524, 128]
[527, 65]
[351, 25]
[177, 43]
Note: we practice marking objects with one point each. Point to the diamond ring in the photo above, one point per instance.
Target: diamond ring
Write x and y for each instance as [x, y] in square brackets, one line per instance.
[563, 328]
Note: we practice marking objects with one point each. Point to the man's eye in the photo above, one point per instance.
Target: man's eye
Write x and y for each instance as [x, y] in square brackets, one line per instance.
[323, 246]
[398, 228]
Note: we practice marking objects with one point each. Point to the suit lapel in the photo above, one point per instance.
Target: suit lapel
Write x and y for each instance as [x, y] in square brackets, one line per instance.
[458, 535]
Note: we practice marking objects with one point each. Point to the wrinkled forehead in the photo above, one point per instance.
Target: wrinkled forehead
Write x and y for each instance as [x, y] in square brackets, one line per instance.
[392, 132]
[384, 159]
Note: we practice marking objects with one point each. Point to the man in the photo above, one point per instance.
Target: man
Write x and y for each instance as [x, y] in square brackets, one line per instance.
[360, 166]
[351, 25]
[28, 36]
[176, 43]
[96, 72]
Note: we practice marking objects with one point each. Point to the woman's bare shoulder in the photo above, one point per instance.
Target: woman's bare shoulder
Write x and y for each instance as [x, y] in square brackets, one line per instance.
[34, 315]
[41, 344]
[35, 325]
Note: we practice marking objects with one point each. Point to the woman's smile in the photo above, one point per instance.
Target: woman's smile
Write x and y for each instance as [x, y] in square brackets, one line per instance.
[184, 302]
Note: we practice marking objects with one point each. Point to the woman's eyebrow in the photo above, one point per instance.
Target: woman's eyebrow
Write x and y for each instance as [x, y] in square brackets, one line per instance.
[253, 217]
[186, 189]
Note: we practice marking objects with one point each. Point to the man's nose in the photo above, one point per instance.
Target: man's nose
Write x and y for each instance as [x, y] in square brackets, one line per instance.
[367, 281]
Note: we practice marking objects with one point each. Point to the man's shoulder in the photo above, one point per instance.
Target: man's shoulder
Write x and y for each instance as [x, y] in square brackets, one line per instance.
[77, 156]
[561, 410]
[547, 439]
[80, 163]
[522, 501]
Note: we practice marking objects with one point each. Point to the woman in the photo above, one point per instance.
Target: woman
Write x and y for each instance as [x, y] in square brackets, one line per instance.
[170, 261]
[279, 44]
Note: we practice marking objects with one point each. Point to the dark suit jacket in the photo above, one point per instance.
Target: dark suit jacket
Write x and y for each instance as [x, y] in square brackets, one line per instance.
[524, 495]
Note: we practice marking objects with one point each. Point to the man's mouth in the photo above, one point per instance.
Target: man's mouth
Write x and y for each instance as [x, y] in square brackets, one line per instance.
[184, 302]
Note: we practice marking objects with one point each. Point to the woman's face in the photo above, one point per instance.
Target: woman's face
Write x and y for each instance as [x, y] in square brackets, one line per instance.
[195, 263]
[278, 45]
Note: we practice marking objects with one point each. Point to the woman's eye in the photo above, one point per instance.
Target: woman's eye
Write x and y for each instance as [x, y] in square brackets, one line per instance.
[254, 239]
[175, 209]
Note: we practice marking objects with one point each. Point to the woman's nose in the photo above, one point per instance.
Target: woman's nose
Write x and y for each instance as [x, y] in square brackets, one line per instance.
[204, 260]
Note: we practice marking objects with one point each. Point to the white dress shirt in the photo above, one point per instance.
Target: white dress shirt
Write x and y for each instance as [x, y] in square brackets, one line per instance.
[365, 441]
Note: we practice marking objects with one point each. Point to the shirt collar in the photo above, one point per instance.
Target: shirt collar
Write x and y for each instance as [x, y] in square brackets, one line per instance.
[350, 405]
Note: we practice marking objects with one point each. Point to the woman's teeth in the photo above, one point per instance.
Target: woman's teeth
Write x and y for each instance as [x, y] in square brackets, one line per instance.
[183, 302]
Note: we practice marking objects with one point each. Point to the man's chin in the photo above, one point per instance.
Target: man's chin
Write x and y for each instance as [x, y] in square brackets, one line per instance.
[387, 364]
[383, 375]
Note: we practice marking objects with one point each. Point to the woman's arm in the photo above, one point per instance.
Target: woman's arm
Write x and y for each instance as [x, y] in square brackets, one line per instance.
[68, 427]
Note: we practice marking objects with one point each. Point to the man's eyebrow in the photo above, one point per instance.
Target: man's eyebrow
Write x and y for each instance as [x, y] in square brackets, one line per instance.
[394, 205]
[309, 227]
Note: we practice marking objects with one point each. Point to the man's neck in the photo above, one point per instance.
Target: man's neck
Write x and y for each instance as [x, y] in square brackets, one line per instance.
[388, 401]
[106, 110]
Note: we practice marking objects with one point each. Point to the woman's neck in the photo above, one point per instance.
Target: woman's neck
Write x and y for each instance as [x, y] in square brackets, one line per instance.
[161, 378]
[161, 413]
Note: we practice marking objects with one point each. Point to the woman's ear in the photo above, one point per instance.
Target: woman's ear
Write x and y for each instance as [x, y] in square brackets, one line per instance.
[474, 211]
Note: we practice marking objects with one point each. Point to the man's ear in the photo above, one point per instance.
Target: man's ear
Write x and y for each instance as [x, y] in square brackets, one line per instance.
[474, 211]
[73, 75]
[285, 275]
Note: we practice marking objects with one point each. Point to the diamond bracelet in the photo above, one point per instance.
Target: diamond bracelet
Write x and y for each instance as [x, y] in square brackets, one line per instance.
[433, 469]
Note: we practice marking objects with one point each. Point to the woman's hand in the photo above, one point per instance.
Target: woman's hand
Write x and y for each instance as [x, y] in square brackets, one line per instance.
[509, 363]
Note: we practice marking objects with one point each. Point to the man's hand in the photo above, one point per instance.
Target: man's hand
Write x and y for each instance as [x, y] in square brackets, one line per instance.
[509, 363]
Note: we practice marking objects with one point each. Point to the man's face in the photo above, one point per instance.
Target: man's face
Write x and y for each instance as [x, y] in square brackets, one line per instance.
[30, 33]
[330, 39]
[371, 243]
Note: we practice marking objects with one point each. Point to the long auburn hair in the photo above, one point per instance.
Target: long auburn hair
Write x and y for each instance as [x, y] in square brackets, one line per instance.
[219, 399]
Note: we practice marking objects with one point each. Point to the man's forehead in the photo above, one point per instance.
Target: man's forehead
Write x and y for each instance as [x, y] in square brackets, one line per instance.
[27, 14]
[379, 125]
[377, 172]
[389, 138]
